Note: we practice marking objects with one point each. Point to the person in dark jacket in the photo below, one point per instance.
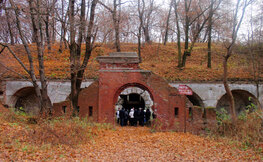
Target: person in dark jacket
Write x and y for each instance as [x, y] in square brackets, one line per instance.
[122, 115]
[141, 117]
[126, 117]
[147, 117]
[136, 117]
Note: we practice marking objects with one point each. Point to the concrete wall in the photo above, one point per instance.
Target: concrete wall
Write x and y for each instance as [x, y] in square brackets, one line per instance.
[58, 91]
[210, 93]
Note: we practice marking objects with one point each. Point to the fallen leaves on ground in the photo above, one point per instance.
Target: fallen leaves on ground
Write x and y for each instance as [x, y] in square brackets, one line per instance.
[120, 144]
[158, 58]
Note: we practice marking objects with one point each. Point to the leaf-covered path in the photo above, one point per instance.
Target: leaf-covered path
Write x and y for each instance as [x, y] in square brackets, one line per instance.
[120, 144]
[139, 144]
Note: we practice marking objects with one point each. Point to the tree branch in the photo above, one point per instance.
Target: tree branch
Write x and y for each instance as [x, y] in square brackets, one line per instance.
[15, 56]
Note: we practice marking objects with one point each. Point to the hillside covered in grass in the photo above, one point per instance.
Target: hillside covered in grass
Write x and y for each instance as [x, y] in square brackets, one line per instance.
[158, 58]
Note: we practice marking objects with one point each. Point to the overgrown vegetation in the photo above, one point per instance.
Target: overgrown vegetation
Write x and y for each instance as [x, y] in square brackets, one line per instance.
[248, 129]
[52, 132]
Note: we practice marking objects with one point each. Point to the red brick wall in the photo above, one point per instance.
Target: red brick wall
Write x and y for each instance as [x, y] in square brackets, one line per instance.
[165, 97]
[57, 108]
[117, 74]
[202, 121]
[88, 97]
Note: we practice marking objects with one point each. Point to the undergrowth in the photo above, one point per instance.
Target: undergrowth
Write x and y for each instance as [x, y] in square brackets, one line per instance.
[247, 131]
[46, 132]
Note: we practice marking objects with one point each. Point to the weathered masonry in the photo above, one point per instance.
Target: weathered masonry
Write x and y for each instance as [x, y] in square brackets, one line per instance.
[122, 83]
[205, 94]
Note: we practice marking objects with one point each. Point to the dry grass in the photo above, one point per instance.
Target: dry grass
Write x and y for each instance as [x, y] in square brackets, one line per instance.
[248, 130]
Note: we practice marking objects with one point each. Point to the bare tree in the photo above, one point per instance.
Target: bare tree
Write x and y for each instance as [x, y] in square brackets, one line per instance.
[241, 5]
[41, 92]
[254, 47]
[167, 23]
[190, 19]
[147, 15]
[209, 29]
[140, 11]
[116, 16]
[7, 27]
[178, 34]
[62, 17]
[212, 10]
[47, 23]
[78, 68]
[12, 41]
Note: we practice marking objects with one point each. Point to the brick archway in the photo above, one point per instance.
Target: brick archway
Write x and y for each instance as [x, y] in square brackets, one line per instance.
[135, 88]
[119, 71]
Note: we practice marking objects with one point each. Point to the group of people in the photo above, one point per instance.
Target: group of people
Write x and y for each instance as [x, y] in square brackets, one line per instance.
[133, 117]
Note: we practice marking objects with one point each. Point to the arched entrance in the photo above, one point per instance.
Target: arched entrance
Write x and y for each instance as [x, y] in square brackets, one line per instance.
[134, 97]
[195, 100]
[26, 100]
[242, 100]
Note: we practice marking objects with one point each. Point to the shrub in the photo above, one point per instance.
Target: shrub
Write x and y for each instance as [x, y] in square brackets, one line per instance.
[52, 131]
[248, 129]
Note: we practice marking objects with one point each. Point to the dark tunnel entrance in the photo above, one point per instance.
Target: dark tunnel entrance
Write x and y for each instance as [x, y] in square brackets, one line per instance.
[132, 100]
[195, 100]
[134, 107]
[242, 100]
[26, 101]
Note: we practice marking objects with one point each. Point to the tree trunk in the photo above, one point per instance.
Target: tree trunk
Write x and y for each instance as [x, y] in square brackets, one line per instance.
[63, 28]
[47, 31]
[147, 21]
[236, 26]
[140, 11]
[209, 52]
[178, 34]
[139, 44]
[77, 71]
[187, 23]
[9, 28]
[53, 21]
[228, 91]
[73, 56]
[116, 23]
[167, 24]
[37, 26]
[42, 95]
[147, 35]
